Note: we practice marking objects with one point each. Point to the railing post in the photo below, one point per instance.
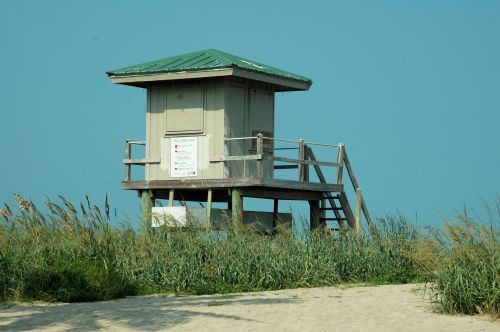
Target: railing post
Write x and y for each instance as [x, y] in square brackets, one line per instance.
[359, 198]
[340, 161]
[300, 166]
[307, 150]
[128, 155]
[260, 151]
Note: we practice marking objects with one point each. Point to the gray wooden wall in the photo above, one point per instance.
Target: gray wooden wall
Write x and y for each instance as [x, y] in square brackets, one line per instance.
[209, 110]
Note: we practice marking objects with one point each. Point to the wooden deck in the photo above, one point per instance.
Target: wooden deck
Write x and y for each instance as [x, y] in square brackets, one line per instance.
[328, 201]
[195, 189]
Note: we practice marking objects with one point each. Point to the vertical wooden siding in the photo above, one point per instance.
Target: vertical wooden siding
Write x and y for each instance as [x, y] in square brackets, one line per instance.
[210, 138]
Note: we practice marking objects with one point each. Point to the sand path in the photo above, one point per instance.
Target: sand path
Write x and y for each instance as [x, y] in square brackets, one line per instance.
[382, 308]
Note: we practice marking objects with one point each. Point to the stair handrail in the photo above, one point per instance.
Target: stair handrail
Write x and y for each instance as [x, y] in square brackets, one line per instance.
[322, 179]
[343, 159]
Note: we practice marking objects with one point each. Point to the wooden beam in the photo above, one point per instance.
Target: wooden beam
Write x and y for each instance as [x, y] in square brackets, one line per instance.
[296, 185]
[208, 222]
[171, 197]
[218, 195]
[275, 213]
[237, 158]
[195, 184]
[191, 183]
[147, 203]
[314, 215]
[139, 161]
[128, 153]
[357, 225]
[356, 186]
[323, 208]
[347, 209]
[282, 194]
[142, 80]
[306, 166]
[350, 171]
[237, 211]
[260, 146]
[340, 161]
[286, 166]
[301, 160]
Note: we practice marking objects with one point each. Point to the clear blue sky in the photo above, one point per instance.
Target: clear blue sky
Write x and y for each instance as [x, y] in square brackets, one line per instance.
[411, 87]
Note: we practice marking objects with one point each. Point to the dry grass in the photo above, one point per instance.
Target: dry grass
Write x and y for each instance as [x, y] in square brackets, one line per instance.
[73, 254]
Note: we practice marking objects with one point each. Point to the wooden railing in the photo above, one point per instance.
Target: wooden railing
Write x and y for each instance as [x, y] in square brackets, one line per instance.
[301, 163]
[305, 159]
[343, 161]
[128, 161]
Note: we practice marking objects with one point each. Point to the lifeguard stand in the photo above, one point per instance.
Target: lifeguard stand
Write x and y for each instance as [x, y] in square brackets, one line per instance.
[210, 138]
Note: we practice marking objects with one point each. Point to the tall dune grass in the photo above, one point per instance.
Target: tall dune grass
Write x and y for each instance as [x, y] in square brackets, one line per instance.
[464, 261]
[73, 254]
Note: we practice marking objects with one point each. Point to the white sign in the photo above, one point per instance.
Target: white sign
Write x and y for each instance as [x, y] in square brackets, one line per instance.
[172, 216]
[183, 157]
[179, 216]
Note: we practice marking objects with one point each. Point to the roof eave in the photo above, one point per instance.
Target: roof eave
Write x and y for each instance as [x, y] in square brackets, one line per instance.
[141, 79]
[281, 83]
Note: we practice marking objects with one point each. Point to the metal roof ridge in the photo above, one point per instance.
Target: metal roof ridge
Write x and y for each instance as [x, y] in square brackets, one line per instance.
[218, 55]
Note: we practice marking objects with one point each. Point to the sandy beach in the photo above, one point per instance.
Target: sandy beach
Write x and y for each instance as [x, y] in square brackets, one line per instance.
[381, 308]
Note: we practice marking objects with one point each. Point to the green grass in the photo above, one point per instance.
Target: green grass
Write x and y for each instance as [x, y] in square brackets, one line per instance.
[467, 268]
[71, 254]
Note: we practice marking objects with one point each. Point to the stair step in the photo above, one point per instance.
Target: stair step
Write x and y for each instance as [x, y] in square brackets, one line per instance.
[332, 209]
[333, 218]
[285, 166]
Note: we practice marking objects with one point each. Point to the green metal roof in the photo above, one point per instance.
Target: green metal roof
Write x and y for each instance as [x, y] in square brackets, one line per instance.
[204, 60]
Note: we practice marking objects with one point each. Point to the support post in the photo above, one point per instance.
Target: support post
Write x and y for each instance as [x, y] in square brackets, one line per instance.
[275, 214]
[128, 155]
[208, 222]
[322, 208]
[171, 197]
[237, 210]
[147, 203]
[314, 214]
[357, 225]
[260, 151]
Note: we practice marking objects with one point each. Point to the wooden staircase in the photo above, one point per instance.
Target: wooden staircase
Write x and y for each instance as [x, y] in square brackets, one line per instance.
[328, 200]
[335, 206]
[331, 203]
